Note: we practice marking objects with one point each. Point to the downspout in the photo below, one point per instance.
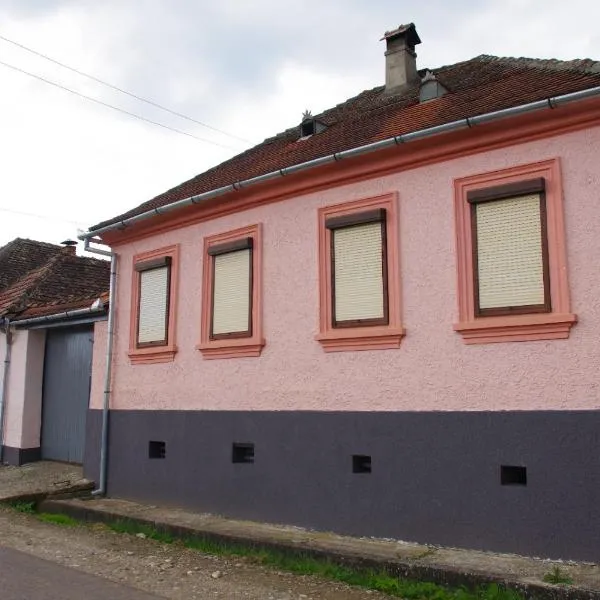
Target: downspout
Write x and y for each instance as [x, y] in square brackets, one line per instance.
[4, 388]
[101, 489]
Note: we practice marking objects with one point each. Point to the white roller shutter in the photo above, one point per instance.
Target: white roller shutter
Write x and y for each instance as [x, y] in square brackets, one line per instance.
[231, 294]
[154, 309]
[509, 252]
[358, 272]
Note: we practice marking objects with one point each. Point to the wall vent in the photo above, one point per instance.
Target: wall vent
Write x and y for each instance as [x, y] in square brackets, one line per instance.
[511, 475]
[157, 449]
[361, 463]
[242, 453]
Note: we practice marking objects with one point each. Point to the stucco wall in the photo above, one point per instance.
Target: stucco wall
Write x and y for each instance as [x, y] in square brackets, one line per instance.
[98, 363]
[2, 357]
[433, 369]
[24, 394]
[32, 406]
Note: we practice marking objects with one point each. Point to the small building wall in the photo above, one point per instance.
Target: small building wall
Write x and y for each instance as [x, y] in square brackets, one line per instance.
[24, 397]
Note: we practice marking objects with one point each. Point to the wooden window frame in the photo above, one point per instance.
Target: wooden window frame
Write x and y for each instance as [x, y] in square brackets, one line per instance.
[555, 319]
[220, 250]
[144, 267]
[379, 334]
[505, 192]
[236, 344]
[160, 351]
[334, 224]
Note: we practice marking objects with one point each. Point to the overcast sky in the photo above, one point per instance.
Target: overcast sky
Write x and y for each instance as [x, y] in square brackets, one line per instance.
[248, 68]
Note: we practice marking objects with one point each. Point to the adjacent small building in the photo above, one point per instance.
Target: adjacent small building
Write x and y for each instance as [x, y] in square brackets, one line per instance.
[49, 301]
[383, 321]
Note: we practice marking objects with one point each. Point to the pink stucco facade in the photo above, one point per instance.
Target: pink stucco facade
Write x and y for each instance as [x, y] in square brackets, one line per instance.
[23, 409]
[433, 370]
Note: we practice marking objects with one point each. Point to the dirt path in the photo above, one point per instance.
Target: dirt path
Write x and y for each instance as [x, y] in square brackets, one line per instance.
[162, 569]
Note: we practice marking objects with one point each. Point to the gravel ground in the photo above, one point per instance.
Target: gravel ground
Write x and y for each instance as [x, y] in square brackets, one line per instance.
[166, 570]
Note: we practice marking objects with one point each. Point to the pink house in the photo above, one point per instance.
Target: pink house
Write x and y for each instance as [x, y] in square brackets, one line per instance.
[382, 322]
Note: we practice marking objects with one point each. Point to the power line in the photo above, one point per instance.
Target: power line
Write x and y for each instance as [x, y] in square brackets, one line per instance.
[44, 217]
[121, 90]
[121, 110]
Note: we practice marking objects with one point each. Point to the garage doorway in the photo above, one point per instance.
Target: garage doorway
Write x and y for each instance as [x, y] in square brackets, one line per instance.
[66, 392]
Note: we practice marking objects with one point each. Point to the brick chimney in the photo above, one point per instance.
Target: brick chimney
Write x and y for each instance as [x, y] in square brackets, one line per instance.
[400, 57]
[69, 246]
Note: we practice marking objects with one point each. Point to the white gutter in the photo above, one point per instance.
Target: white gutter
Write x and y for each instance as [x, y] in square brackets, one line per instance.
[4, 387]
[68, 314]
[469, 122]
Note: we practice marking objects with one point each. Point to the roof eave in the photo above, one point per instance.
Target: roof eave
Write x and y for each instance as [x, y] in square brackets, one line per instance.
[468, 122]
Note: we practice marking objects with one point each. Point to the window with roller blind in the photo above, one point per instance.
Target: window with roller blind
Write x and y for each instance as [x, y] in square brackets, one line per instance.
[231, 298]
[231, 324]
[510, 249]
[359, 275]
[154, 283]
[359, 278]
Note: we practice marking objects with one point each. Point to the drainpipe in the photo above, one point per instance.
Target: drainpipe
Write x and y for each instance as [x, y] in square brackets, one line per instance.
[101, 489]
[4, 388]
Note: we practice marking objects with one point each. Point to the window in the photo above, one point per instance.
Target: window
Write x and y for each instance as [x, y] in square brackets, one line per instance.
[154, 305]
[231, 307]
[359, 275]
[510, 249]
[511, 255]
[359, 269]
[231, 314]
[153, 302]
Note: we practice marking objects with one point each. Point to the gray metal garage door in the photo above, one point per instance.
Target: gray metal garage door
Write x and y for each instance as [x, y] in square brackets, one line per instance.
[66, 392]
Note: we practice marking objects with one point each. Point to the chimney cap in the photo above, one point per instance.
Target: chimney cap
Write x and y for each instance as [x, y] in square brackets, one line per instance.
[409, 31]
[68, 243]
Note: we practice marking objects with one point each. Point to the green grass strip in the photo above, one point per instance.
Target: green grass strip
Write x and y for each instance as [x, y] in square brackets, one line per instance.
[57, 519]
[23, 507]
[378, 580]
[302, 564]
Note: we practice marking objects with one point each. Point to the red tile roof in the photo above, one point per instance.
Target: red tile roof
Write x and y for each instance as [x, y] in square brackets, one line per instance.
[477, 86]
[38, 279]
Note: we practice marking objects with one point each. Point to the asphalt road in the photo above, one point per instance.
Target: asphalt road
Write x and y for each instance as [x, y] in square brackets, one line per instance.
[25, 577]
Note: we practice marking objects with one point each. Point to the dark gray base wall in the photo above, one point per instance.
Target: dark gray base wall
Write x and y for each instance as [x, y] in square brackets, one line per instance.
[20, 456]
[436, 477]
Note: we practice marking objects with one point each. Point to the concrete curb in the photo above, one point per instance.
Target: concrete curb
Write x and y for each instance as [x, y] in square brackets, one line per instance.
[442, 574]
[80, 489]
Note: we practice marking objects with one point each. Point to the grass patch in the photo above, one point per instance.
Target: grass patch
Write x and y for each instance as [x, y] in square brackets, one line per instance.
[146, 530]
[303, 564]
[558, 577]
[23, 507]
[57, 519]
[308, 565]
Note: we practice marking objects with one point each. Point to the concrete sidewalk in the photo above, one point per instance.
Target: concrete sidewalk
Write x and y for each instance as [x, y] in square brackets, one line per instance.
[421, 562]
[37, 480]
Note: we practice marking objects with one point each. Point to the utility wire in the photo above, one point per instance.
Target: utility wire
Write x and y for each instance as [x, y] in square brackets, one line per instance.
[121, 110]
[121, 90]
[43, 217]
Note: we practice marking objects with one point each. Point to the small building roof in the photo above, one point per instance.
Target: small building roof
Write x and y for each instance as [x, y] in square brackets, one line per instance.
[37, 279]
